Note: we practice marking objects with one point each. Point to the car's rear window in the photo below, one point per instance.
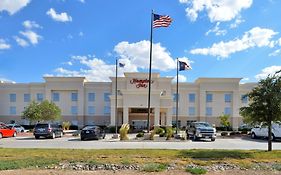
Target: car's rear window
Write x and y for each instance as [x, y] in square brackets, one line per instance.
[89, 127]
[41, 126]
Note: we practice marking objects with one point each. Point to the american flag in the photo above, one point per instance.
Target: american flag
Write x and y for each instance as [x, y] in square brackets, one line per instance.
[161, 20]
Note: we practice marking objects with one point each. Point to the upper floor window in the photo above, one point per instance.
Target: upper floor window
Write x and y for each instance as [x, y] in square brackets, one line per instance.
[39, 97]
[209, 111]
[13, 97]
[244, 98]
[191, 111]
[74, 110]
[55, 96]
[106, 110]
[176, 97]
[74, 96]
[209, 97]
[26, 97]
[91, 96]
[227, 98]
[106, 96]
[91, 110]
[227, 111]
[13, 110]
[191, 97]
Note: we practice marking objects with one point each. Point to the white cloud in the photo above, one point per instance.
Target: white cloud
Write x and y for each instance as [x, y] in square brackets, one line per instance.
[135, 56]
[4, 45]
[275, 53]
[30, 24]
[81, 34]
[237, 22]
[82, 1]
[244, 80]
[256, 37]
[268, 71]
[217, 10]
[5, 80]
[21, 42]
[31, 36]
[182, 78]
[12, 6]
[138, 55]
[62, 17]
[216, 30]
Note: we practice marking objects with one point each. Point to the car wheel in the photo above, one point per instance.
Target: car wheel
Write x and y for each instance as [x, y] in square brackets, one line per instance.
[213, 139]
[1, 136]
[53, 135]
[253, 135]
[22, 131]
[194, 138]
[15, 134]
[37, 137]
[272, 137]
[82, 139]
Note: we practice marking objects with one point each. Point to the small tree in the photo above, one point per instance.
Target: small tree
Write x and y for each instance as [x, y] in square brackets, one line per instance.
[224, 121]
[43, 111]
[265, 104]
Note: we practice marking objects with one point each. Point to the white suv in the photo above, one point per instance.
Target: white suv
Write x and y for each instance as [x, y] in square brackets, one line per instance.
[262, 131]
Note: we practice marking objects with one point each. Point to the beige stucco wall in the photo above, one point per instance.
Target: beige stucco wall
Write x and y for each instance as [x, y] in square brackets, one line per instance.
[130, 96]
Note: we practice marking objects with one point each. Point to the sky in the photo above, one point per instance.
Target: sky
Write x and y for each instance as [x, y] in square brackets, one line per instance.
[217, 38]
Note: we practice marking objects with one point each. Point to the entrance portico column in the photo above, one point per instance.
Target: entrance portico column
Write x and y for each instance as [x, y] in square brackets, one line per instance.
[156, 116]
[169, 117]
[163, 118]
[125, 115]
[112, 117]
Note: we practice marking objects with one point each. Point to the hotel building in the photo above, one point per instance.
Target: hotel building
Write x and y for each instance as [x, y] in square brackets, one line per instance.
[83, 102]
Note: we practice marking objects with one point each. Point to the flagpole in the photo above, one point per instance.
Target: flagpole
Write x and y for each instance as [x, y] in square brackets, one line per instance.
[150, 63]
[177, 104]
[116, 112]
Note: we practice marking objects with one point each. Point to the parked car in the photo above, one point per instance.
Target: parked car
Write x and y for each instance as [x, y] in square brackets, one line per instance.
[17, 127]
[201, 130]
[92, 132]
[5, 131]
[49, 130]
[262, 131]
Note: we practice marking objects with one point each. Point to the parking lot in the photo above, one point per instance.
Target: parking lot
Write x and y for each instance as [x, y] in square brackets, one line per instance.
[71, 142]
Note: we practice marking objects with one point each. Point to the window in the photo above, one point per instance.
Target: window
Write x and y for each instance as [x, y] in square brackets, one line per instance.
[91, 97]
[106, 110]
[191, 111]
[39, 97]
[26, 97]
[209, 97]
[91, 110]
[209, 111]
[13, 97]
[175, 97]
[13, 110]
[227, 111]
[227, 98]
[106, 96]
[74, 110]
[174, 110]
[244, 98]
[55, 96]
[74, 96]
[191, 98]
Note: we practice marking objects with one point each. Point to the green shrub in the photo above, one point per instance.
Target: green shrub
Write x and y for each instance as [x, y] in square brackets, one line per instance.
[196, 170]
[169, 133]
[154, 167]
[162, 135]
[66, 125]
[224, 134]
[124, 131]
[160, 131]
[140, 134]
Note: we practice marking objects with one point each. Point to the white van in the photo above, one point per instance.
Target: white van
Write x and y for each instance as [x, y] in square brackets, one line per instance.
[262, 131]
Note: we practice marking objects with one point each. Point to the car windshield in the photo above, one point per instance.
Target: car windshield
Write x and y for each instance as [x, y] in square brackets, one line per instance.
[203, 125]
[89, 127]
[42, 126]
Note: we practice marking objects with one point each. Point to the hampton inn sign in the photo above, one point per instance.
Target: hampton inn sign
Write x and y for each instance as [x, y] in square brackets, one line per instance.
[140, 82]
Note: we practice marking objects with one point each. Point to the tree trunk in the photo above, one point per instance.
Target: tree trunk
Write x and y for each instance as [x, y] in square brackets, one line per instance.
[269, 147]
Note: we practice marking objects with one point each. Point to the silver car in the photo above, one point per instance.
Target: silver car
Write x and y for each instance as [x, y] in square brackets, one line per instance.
[17, 127]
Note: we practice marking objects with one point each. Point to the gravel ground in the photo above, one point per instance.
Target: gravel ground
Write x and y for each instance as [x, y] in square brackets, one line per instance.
[174, 172]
